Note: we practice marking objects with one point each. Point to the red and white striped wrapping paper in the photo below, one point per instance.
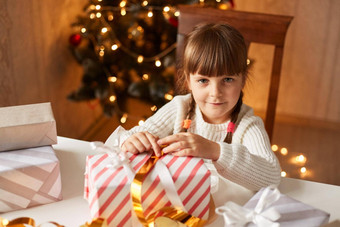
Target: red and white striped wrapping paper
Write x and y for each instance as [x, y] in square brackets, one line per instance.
[29, 177]
[108, 190]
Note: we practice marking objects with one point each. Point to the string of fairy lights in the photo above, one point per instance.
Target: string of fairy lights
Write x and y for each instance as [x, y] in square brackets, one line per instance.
[297, 162]
[94, 12]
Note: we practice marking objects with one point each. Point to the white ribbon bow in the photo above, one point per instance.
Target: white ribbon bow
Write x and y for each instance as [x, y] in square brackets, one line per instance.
[118, 158]
[236, 215]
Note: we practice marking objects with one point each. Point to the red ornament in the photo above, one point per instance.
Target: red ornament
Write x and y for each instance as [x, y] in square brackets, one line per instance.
[173, 21]
[75, 39]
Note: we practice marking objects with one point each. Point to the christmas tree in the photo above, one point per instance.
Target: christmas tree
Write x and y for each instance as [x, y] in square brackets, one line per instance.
[127, 49]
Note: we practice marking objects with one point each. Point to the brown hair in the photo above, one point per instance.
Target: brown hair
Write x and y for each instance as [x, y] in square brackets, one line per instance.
[214, 50]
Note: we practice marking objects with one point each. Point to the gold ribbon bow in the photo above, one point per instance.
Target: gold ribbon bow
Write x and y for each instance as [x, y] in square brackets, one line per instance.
[170, 212]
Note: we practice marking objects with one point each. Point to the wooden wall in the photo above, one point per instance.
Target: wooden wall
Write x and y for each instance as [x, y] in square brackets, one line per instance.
[36, 65]
[310, 82]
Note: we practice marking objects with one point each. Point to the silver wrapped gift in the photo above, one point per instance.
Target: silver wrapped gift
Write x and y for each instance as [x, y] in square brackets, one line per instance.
[268, 207]
[27, 126]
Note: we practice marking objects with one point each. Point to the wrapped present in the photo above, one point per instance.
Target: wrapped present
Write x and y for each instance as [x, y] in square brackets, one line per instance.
[268, 207]
[27, 126]
[29, 177]
[182, 183]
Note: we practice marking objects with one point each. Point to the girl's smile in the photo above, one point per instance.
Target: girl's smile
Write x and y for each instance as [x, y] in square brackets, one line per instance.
[216, 96]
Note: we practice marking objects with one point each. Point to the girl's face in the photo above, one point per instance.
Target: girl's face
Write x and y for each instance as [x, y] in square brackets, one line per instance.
[216, 96]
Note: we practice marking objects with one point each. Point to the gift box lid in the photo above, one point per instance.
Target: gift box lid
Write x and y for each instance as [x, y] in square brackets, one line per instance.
[27, 126]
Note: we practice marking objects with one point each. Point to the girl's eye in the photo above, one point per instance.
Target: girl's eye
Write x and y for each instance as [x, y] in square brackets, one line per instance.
[202, 81]
[228, 79]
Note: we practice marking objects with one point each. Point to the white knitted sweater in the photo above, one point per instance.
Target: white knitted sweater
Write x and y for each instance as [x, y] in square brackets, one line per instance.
[248, 161]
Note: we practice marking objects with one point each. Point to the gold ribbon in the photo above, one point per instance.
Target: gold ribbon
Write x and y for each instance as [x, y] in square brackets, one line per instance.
[22, 222]
[136, 194]
[26, 221]
[97, 222]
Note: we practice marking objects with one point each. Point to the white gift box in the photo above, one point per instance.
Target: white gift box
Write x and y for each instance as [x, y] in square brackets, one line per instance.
[29, 177]
[27, 126]
[268, 207]
[108, 189]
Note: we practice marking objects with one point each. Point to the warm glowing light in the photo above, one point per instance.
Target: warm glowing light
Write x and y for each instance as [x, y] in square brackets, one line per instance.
[98, 7]
[123, 12]
[112, 79]
[123, 118]
[284, 151]
[223, 6]
[104, 30]
[83, 30]
[201, 1]
[248, 61]
[110, 17]
[140, 59]
[283, 174]
[141, 122]
[112, 98]
[92, 16]
[275, 147]
[98, 15]
[122, 4]
[166, 9]
[303, 170]
[218, 0]
[5, 222]
[114, 47]
[101, 53]
[150, 14]
[145, 3]
[145, 76]
[153, 108]
[158, 63]
[177, 13]
[168, 96]
[92, 7]
[300, 158]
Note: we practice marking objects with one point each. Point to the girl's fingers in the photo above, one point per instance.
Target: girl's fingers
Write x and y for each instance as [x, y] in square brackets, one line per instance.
[145, 143]
[129, 147]
[183, 152]
[170, 139]
[153, 142]
[174, 147]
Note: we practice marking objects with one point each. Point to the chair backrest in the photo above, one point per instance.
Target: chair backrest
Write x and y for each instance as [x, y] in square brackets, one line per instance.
[255, 27]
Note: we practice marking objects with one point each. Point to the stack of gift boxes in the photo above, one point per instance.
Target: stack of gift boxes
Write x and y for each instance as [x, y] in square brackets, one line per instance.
[29, 168]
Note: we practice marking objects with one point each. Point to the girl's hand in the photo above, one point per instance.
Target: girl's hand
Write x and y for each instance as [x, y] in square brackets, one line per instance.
[189, 144]
[141, 142]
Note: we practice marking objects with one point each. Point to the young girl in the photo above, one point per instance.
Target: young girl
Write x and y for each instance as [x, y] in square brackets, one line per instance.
[211, 122]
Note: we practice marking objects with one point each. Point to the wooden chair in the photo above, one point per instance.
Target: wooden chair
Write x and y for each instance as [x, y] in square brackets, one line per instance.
[255, 27]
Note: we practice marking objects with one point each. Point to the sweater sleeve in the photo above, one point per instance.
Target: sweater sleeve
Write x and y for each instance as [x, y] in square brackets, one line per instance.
[249, 162]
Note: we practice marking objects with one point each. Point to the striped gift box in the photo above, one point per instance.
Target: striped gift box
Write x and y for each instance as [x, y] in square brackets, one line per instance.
[293, 212]
[29, 177]
[108, 190]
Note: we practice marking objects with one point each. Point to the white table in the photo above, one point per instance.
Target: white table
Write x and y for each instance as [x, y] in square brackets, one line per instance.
[73, 210]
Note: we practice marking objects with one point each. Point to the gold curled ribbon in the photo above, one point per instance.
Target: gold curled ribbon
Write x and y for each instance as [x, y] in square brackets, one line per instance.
[97, 222]
[22, 222]
[27, 221]
[173, 213]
